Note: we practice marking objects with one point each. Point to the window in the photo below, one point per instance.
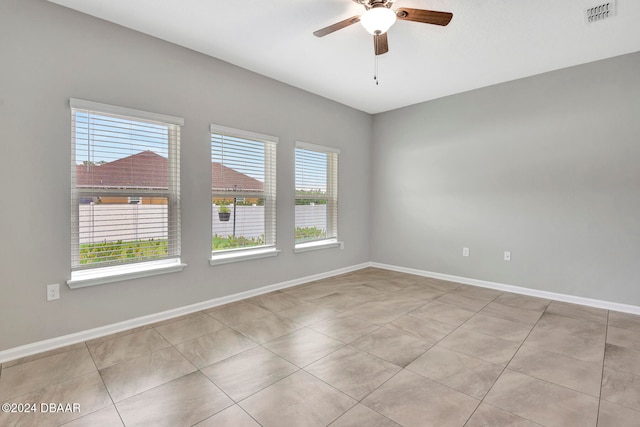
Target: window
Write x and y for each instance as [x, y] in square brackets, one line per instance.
[316, 216]
[243, 194]
[125, 168]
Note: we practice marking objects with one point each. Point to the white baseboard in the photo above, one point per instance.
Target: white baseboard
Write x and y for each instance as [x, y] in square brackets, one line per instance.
[608, 305]
[53, 343]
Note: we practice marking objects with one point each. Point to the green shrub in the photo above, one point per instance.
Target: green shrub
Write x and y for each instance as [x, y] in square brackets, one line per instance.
[309, 233]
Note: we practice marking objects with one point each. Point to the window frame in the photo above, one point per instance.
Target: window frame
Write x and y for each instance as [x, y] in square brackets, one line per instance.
[269, 194]
[88, 276]
[331, 196]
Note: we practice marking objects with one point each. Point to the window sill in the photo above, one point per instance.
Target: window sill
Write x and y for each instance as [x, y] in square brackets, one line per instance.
[313, 246]
[100, 276]
[242, 255]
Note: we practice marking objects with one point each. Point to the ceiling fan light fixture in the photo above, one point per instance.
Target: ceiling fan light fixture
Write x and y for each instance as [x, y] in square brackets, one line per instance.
[378, 20]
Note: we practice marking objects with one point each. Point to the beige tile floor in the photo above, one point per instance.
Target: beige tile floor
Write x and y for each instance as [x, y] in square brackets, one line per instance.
[369, 348]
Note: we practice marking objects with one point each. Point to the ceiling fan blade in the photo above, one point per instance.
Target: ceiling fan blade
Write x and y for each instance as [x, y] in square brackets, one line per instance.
[424, 16]
[337, 26]
[381, 44]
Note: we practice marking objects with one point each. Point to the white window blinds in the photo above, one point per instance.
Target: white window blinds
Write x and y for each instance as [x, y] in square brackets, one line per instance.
[316, 209]
[125, 168]
[243, 189]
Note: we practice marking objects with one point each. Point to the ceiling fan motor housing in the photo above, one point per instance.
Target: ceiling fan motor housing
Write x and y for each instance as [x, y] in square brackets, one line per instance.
[378, 17]
[370, 4]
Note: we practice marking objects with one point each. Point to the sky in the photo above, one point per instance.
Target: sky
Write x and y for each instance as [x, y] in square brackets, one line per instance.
[243, 155]
[104, 138]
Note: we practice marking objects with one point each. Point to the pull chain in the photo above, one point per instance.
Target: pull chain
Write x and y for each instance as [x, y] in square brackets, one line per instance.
[375, 70]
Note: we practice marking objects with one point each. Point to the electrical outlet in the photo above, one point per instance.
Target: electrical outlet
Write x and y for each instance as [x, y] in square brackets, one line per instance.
[53, 292]
[465, 251]
[507, 255]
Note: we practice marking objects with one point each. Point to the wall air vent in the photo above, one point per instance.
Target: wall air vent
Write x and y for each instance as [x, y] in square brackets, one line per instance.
[600, 12]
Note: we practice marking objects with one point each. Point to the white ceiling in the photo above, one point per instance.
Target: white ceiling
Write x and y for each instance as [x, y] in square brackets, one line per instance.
[487, 42]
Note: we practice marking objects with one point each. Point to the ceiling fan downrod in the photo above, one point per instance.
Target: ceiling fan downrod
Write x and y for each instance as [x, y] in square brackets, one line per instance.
[368, 4]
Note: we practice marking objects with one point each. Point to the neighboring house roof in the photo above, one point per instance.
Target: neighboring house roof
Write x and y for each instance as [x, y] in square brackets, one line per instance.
[149, 170]
[224, 178]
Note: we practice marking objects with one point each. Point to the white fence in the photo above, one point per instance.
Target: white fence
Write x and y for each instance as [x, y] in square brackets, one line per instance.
[249, 221]
[122, 222]
[129, 222]
[311, 216]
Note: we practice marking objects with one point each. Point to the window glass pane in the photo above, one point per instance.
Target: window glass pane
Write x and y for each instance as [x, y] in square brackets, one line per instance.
[113, 230]
[311, 173]
[112, 152]
[237, 164]
[242, 192]
[311, 219]
[237, 225]
[316, 195]
[125, 190]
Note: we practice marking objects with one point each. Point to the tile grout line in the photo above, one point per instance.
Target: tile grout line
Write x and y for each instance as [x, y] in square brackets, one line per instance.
[505, 368]
[604, 355]
[358, 401]
[289, 375]
[237, 403]
[234, 403]
[113, 403]
[171, 345]
[458, 327]
[261, 345]
[58, 381]
[401, 368]
[345, 345]
[375, 389]
[405, 367]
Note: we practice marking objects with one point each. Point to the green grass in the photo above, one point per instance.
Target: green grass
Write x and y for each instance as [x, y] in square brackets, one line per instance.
[145, 250]
[118, 251]
[219, 243]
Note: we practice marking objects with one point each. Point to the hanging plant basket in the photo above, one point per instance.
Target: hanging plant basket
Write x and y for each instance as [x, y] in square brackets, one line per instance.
[224, 216]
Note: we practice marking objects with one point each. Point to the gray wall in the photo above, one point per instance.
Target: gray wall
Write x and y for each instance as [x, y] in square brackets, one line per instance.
[49, 54]
[547, 167]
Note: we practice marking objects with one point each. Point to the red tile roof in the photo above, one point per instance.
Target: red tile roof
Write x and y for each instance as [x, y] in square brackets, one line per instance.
[224, 178]
[149, 170]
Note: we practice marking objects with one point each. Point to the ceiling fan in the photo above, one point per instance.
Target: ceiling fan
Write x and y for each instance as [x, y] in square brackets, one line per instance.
[378, 18]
